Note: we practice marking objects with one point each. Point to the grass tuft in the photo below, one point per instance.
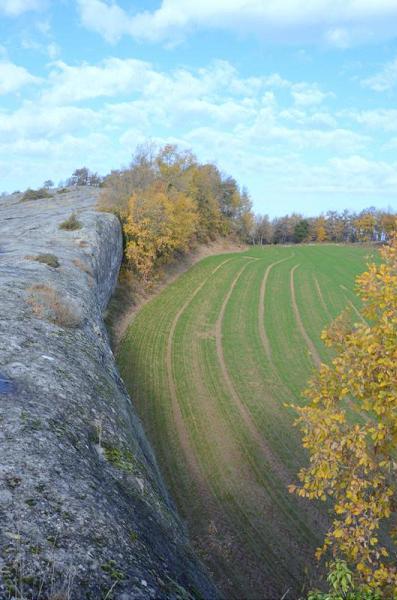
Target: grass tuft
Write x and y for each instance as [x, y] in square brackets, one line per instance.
[71, 224]
[47, 303]
[48, 259]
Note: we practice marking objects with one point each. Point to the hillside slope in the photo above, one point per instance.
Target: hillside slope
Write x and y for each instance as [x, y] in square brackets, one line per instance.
[83, 508]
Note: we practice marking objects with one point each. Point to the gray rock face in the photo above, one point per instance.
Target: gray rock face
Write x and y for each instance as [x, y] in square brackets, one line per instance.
[83, 510]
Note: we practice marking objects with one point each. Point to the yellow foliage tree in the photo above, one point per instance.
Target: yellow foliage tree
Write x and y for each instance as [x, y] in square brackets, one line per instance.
[320, 231]
[157, 225]
[365, 226]
[350, 430]
[203, 187]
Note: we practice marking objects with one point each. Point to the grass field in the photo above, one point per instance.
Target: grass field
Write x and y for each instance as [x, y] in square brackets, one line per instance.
[210, 363]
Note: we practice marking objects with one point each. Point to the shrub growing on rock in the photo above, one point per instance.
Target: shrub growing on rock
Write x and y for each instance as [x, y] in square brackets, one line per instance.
[35, 194]
[71, 224]
[47, 303]
[48, 259]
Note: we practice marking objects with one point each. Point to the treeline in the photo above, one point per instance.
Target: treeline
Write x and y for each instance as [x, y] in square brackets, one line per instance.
[370, 225]
[167, 202]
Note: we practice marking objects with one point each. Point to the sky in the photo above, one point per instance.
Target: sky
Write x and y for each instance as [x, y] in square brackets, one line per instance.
[296, 99]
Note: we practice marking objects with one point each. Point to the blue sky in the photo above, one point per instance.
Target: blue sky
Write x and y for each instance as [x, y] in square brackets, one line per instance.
[294, 98]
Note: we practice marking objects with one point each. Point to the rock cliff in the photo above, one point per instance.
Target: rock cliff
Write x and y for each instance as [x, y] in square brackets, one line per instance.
[83, 509]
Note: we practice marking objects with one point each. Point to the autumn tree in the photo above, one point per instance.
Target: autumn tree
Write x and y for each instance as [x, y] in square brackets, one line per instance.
[204, 190]
[349, 428]
[365, 226]
[387, 224]
[320, 231]
[175, 167]
[166, 201]
[158, 224]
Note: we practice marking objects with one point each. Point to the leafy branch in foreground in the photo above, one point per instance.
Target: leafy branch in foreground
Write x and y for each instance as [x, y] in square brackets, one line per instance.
[350, 431]
[342, 587]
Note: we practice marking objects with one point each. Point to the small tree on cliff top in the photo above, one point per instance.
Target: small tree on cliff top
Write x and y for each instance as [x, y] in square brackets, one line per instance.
[350, 430]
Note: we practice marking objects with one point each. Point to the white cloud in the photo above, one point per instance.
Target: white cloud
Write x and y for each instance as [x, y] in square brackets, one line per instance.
[113, 77]
[276, 135]
[336, 23]
[35, 121]
[108, 20]
[361, 174]
[384, 119]
[339, 37]
[291, 174]
[307, 95]
[32, 161]
[385, 80]
[13, 77]
[14, 8]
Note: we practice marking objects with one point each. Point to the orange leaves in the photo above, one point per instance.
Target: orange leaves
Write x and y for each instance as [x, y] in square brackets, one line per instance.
[350, 461]
[157, 225]
[167, 200]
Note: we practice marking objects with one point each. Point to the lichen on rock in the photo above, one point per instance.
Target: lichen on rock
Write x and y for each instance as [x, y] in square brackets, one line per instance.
[83, 509]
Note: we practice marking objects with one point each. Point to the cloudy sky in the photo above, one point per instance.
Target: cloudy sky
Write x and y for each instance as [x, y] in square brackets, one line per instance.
[294, 98]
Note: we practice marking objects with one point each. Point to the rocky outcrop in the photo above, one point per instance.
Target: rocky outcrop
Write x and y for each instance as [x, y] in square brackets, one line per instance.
[83, 509]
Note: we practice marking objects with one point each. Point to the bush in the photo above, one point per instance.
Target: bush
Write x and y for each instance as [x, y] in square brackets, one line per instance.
[63, 190]
[71, 224]
[48, 259]
[35, 194]
[342, 586]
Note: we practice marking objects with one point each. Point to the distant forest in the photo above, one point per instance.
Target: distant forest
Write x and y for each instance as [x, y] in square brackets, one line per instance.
[370, 225]
[167, 201]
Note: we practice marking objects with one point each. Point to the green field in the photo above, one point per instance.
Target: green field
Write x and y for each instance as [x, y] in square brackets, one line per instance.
[210, 363]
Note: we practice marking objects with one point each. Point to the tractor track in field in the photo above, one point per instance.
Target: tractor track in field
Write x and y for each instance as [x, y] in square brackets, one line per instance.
[230, 460]
[320, 295]
[213, 507]
[315, 356]
[261, 310]
[181, 429]
[275, 464]
[216, 373]
[354, 308]
[277, 468]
